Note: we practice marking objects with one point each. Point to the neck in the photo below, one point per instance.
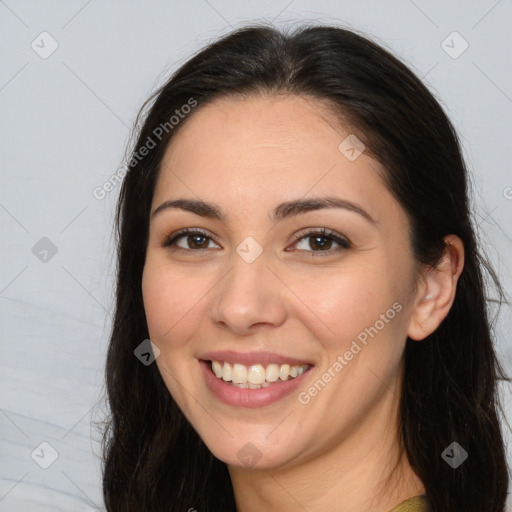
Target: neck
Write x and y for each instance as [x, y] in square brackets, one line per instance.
[367, 471]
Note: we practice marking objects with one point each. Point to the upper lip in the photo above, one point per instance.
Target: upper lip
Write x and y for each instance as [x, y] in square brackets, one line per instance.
[248, 358]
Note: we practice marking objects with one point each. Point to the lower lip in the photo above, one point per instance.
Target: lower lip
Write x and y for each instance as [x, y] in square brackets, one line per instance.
[245, 397]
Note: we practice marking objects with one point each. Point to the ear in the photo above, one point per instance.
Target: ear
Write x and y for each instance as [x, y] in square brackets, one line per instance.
[436, 293]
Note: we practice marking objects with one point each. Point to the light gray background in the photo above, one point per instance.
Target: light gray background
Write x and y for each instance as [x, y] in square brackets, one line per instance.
[64, 125]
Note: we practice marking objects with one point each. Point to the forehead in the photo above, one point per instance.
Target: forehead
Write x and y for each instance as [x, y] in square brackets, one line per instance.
[242, 151]
[270, 123]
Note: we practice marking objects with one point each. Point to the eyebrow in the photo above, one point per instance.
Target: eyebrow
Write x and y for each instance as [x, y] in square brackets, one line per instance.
[282, 211]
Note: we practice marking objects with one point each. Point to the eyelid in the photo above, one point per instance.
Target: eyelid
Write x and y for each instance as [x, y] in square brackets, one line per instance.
[168, 240]
[322, 231]
[338, 238]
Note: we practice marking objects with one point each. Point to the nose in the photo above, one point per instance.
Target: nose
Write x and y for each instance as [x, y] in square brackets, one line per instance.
[249, 298]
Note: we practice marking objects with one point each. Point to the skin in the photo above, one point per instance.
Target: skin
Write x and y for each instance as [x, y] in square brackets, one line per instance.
[340, 451]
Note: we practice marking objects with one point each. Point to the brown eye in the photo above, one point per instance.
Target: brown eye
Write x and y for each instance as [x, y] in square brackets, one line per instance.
[194, 240]
[321, 241]
[197, 241]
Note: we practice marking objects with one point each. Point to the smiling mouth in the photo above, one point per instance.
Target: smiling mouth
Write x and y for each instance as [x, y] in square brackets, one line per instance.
[255, 376]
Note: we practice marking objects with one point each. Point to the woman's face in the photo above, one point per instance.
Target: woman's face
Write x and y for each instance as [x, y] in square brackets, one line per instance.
[261, 286]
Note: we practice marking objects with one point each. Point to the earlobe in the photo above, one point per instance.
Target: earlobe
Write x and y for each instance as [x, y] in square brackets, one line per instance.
[436, 293]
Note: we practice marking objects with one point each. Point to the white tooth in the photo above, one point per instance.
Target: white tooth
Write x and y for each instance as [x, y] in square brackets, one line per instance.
[256, 374]
[227, 372]
[241, 385]
[217, 369]
[284, 371]
[272, 372]
[239, 373]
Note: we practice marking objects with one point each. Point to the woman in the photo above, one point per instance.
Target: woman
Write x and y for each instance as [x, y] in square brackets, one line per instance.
[295, 241]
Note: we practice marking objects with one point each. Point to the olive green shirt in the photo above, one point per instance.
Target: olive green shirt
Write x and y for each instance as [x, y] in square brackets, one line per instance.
[416, 504]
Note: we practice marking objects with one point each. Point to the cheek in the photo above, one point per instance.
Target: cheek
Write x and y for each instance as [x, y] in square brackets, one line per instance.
[342, 303]
[172, 303]
[361, 331]
[173, 311]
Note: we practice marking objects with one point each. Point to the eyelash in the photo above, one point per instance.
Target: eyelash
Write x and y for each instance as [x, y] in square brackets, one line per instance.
[344, 243]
